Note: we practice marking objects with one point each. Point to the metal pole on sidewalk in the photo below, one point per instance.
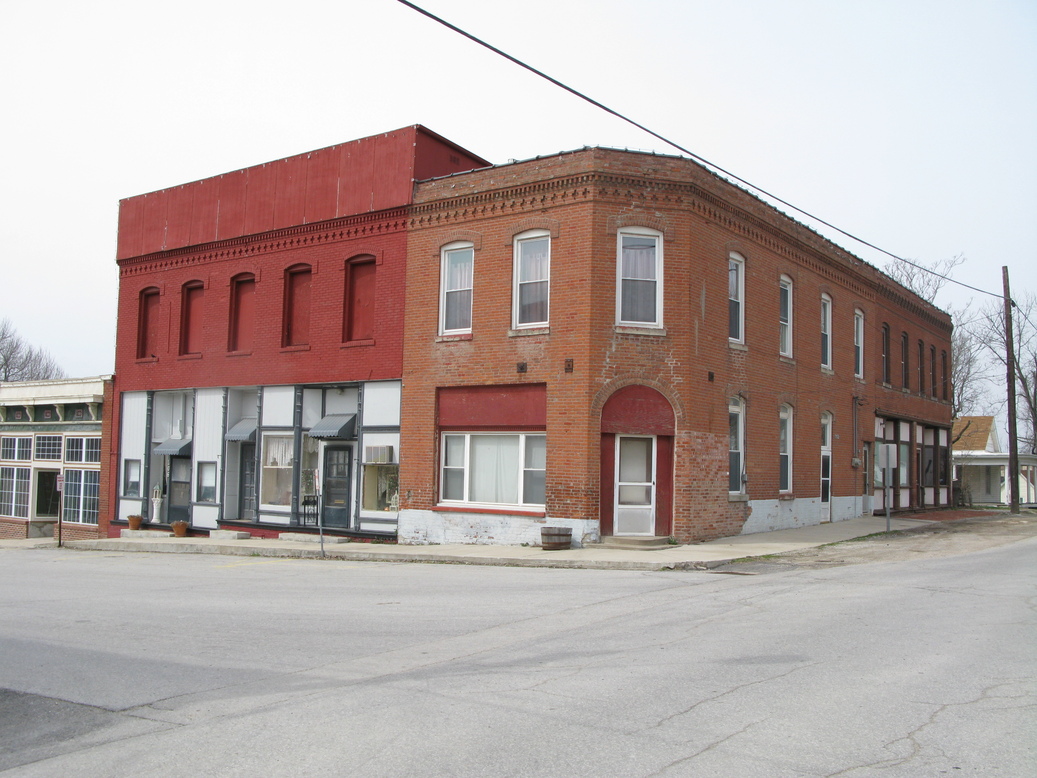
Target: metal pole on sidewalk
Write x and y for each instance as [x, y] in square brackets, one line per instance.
[890, 449]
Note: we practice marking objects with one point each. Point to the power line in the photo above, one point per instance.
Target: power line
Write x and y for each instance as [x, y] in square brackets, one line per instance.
[690, 153]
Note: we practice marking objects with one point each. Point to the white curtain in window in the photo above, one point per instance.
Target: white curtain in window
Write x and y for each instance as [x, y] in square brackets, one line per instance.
[494, 469]
[277, 451]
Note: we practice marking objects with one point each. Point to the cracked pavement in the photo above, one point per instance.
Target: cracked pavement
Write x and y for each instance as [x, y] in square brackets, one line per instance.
[910, 655]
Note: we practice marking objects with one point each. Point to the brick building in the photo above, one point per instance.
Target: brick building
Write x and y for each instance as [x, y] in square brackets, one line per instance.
[51, 462]
[260, 340]
[398, 338]
[630, 345]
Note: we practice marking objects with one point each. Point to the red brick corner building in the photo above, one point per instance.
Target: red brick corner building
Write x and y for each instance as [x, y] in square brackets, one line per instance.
[394, 338]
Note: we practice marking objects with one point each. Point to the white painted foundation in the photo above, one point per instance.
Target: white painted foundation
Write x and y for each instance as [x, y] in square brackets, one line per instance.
[417, 527]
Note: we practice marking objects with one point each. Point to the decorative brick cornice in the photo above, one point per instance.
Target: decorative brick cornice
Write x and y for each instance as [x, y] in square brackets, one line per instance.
[333, 231]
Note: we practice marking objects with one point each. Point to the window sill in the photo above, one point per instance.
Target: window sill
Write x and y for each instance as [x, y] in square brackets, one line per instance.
[145, 360]
[490, 511]
[627, 329]
[239, 353]
[300, 347]
[454, 338]
[731, 497]
[786, 360]
[737, 346]
[358, 343]
[786, 496]
[183, 357]
[827, 370]
[527, 331]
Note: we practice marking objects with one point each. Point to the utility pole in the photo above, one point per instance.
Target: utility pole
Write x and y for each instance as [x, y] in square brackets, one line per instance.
[1013, 443]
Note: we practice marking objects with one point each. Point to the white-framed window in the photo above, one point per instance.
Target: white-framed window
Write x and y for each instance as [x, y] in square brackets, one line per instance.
[736, 446]
[826, 331]
[80, 496]
[735, 296]
[82, 449]
[532, 286]
[455, 304]
[785, 449]
[131, 478]
[826, 457]
[488, 468]
[48, 447]
[14, 492]
[785, 316]
[16, 449]
[276, 476]
[858, 343]
[639, 286]
[206, 482]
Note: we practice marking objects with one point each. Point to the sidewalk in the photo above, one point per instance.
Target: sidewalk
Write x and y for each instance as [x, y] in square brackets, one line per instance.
[698, 556]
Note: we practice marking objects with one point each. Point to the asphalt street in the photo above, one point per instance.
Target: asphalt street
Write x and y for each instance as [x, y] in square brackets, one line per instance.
[166, 665]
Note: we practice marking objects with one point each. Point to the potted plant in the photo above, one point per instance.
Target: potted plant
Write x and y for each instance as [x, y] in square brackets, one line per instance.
[179, 528]
[134, 521]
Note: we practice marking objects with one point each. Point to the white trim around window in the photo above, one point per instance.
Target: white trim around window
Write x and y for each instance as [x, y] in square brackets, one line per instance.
[858, 343]
[785, 316]
[531, 288]
[639, 277]
[457, 274]
[735, 298]
[826, 331]
[785, 449]
[736, 446]
[493, 469]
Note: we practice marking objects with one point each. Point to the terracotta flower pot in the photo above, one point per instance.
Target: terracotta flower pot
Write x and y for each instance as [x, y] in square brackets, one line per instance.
[134, 521]
[179, 529]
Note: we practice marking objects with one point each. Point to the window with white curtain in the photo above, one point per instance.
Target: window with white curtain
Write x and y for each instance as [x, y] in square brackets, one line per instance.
[735, 296]
[858, 343]
[494, 468]
[278, 459]
[532, 279]
[640, 282]
[455, 305]
[826, 331]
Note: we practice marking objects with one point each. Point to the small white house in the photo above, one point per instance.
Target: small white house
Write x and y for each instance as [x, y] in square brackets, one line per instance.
[981, 465]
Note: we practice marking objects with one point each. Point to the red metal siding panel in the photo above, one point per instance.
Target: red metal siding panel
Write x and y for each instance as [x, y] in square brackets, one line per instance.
[260, 194]
[231, 221]
[290, 201]
[131, 228]
[435, 156]
[205, 204]
[321, 186]
[154, 238]
[179, 211]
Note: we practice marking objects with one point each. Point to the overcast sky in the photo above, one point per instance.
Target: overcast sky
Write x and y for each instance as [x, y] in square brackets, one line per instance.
[910, 123]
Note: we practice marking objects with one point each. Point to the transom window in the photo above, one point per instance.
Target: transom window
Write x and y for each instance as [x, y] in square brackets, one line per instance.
[735, 295]
[16, 449]
[48, 447]
[82, 449]
[532, 278]
[640, 283]
[456, 284]
[494, 468]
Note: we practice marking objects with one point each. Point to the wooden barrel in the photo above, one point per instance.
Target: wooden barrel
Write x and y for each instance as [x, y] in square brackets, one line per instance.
[556, 538]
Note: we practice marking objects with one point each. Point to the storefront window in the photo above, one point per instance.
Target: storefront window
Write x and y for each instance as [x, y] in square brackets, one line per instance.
[278, 458]
[381, 487]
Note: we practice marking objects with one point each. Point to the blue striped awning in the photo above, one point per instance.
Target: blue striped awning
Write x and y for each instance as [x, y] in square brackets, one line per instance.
[338, 426]
[243, 432]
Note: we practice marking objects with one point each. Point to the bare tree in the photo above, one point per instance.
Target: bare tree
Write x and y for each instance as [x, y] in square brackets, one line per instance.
[969, 370]
[925, 279]
[20, 361]
[991, 334]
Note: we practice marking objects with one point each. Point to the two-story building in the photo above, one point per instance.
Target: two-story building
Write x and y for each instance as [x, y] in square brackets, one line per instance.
[394, 338]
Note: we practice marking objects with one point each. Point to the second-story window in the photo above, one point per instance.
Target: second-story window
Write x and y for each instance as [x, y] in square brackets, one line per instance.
[885, 354]
[148, 324]
[905, 361]
[298, 283]
[192, 322]
[242, 312]
[640, 283]
[785, 317]
[735, 296]
[858, 343]
[532, 284]
[933, 385]
[826, 331]
[921, 367]
[360, 294]
[456, 285]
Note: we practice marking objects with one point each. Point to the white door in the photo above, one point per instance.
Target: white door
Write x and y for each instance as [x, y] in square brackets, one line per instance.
[635, 486]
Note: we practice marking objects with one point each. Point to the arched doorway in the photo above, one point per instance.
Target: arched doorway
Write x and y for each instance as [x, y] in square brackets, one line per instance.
[637, 429]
